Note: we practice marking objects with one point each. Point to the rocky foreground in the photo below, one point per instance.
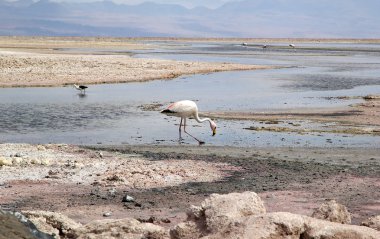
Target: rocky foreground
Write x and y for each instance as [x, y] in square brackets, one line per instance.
[138, 187]
[234, 215]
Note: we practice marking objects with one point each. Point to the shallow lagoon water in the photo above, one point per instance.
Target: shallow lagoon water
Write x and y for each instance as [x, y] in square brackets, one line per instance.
[111, 114]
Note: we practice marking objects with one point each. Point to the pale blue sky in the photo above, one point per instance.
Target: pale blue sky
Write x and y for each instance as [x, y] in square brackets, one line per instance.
[186, 3]
[248, 18]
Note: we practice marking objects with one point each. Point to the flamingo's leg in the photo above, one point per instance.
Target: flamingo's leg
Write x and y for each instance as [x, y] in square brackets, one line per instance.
[180, 125]
[184, 129]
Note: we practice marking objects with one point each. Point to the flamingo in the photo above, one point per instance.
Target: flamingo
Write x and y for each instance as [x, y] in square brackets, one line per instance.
[186, 109]
[81, 88]
[292, 45]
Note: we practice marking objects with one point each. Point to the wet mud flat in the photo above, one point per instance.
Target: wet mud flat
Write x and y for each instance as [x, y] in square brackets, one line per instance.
[296, 180]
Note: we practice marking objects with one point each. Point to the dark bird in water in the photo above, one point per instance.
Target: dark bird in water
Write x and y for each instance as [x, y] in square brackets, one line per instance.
[82, 88]
[185, 109]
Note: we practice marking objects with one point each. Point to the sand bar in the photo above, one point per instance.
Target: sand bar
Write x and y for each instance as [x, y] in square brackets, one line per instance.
[31, 62]
[33, 69]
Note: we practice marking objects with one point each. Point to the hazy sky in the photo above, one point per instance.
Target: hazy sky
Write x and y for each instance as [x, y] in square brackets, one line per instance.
[186, 3]
[250, 18]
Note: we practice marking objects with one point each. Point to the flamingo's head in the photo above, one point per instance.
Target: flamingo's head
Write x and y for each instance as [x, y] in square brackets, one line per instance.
[213, 127]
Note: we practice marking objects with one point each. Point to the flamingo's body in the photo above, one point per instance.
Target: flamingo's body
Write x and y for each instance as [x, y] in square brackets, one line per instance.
[292, 45]
[185, 109]
[82, 88]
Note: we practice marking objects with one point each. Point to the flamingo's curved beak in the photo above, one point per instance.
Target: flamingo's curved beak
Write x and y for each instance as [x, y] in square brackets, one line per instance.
[214, 131]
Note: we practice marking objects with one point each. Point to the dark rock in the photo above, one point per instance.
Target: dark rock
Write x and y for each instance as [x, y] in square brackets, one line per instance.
[151, 219]
[128, 198]
[165, 220]
[107, 214]
[15, 226]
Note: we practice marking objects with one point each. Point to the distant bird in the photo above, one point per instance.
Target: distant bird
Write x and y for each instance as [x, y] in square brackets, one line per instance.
[244, 44]
[82, 88]
[292, 45]
[265, 46]
[186, 109]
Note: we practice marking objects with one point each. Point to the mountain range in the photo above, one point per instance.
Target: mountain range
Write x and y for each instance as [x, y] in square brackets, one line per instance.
[247, 18]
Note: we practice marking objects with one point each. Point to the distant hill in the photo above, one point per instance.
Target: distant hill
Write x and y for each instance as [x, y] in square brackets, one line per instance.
[249, 18]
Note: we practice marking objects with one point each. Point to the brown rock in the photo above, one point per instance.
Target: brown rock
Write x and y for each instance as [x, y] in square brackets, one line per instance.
[195, 213]
[330, 230]
[288, 225]
[222, 210]
[12, 228]
[372, 222]
[121, 228]
[243, 216]
[53, 223]
[218, 213]
[194, 227]
[333, 212]
[291, 226]
[187, 230]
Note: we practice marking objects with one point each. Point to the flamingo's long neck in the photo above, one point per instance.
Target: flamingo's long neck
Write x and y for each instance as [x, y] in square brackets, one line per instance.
[201, 120]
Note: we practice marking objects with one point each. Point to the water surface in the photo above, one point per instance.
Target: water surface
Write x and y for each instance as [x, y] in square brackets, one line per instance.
[111, 113]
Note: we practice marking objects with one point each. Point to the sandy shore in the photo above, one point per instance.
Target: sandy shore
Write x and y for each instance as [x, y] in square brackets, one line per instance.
[34, 69]
[26, 62]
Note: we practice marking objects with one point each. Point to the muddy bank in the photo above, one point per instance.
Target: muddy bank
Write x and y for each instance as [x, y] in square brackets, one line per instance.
[362, 118]
[288, 179]
[367, 112]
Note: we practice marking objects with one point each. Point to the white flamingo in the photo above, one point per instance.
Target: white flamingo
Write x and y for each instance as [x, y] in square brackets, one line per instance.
[82, 88]
[186, 109]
